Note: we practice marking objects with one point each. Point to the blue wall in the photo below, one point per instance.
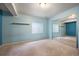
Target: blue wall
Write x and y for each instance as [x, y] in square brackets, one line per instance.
[67, 13]
[55, 19]
[3, 13]
[50, 29]
[17, 33]
[0, 27]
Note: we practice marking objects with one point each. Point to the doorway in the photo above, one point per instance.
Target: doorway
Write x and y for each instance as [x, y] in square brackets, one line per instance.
[70, 28]
[65, 32]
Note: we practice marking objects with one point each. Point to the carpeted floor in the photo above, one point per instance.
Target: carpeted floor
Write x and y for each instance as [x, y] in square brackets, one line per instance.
[60, 46]
[70, 41]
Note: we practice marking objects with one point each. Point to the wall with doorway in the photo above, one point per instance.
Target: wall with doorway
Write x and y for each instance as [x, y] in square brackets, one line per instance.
[66, 13]
[63, 15]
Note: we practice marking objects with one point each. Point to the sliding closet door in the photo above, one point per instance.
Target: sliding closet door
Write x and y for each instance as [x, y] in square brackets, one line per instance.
[71, 29]
[0, 27]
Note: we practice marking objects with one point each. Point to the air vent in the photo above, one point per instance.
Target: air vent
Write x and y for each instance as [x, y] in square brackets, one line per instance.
[19, 24]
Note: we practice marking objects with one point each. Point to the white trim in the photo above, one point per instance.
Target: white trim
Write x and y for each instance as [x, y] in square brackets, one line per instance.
[71, 20]
[11, 8]
[12, 43]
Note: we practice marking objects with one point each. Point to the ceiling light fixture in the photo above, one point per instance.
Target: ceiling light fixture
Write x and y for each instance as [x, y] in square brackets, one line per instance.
[43, 5]
[72, 16]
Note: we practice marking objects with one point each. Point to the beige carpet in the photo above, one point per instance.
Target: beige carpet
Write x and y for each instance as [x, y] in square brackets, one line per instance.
[70, 41]
[40, 48]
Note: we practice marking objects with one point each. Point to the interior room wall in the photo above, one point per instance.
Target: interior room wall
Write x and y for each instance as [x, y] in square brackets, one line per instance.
[66, 13]
[17, 33]
[50, 29]
[3, 13]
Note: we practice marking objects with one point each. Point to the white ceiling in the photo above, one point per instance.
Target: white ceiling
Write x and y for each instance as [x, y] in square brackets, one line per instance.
[8, 7]
[34, 9]
[3, 7]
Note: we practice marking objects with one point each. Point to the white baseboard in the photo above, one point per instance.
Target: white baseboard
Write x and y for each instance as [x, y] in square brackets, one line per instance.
[12, 43]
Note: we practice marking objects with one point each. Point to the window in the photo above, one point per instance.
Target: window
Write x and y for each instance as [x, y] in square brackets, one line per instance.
[37, 28]
[55, 28]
